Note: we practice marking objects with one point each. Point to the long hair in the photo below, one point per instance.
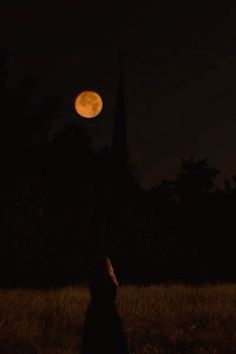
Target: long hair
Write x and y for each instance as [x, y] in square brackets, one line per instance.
[103, 329]
[103, 281]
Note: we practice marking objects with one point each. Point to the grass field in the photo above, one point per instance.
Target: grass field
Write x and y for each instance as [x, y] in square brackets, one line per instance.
[157, 319]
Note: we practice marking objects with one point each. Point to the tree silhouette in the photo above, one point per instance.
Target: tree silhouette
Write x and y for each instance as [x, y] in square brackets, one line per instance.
[62, 199]
[195, 179]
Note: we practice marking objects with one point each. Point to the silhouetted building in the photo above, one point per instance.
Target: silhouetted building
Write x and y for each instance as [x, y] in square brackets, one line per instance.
[119, 140]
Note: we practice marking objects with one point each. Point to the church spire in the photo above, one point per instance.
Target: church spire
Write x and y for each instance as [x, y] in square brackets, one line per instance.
[119, 139]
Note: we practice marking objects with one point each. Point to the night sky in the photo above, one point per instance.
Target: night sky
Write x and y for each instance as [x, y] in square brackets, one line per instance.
[180, 72]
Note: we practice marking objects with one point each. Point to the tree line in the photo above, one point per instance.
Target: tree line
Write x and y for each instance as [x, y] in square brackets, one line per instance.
[63, 203]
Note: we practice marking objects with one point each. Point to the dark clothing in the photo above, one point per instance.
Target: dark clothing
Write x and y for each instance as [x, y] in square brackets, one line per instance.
[103, 331]
[102, 290]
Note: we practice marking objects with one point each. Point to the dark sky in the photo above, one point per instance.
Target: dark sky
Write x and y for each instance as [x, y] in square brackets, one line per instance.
[180, 71]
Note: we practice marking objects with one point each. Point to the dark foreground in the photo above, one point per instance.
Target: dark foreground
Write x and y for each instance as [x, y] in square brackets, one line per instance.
[172, 319]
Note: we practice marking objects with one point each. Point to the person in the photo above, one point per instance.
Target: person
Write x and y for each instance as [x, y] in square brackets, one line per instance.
[103, 329]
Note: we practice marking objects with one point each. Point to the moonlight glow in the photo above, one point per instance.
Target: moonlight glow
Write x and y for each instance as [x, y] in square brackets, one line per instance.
[88, 104]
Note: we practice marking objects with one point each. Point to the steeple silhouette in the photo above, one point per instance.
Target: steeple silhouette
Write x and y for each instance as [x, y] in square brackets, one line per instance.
[119, 141]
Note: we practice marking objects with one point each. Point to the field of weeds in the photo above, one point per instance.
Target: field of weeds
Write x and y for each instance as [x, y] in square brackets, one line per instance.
[163, 319]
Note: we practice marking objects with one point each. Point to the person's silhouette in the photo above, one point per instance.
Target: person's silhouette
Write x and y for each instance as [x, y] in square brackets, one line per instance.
[103, 330]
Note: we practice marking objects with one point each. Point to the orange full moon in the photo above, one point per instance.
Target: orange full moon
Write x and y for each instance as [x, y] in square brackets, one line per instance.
[88, 104]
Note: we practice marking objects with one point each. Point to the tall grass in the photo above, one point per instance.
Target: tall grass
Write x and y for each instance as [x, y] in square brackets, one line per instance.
[173, 319]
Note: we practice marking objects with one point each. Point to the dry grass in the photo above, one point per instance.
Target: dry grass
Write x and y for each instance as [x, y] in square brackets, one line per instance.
[172, 319]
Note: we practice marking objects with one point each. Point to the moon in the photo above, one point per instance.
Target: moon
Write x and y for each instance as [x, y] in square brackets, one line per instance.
[88, 104]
